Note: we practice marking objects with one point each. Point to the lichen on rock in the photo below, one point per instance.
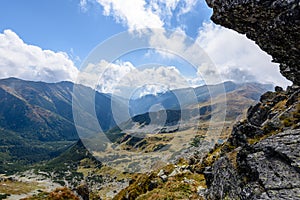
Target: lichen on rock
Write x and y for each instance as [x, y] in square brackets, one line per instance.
[268, 141]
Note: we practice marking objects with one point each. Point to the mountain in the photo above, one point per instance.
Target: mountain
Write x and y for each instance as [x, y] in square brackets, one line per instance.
[138, 132]
[260, 160]
[177, 99]
[238, 97]
[36, 120]
[37, 126]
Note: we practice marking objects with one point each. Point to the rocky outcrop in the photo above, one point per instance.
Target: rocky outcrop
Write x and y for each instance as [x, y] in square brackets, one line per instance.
[273, 24]
[267, 162]
[261, 159]
[269, 169]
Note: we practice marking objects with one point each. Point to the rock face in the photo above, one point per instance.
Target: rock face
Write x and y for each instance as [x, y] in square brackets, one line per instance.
[273, 24]
[266, 170]
[267, 165]
[267, 162]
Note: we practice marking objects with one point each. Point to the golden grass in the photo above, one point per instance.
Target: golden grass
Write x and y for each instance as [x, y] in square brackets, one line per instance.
[15, 187]
[232, 156]
[57, 194]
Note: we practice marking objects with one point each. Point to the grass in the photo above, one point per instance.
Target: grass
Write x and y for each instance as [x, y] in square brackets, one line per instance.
[15, 187]
[213, 156]
[259, 138]
[290, 119]
[57, 194]
[232, 156]
[150, 186]
[176, 188]
[281, 105]
[107, 173]
[106, 170]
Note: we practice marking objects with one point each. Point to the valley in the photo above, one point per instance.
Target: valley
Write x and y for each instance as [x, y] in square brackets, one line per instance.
[49, 150]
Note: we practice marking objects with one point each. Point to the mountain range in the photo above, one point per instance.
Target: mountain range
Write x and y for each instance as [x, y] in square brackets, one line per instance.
[36, 121]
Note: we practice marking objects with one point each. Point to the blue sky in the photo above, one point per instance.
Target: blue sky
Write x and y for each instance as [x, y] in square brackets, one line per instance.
[63, 25]
[49, 40]
[59, 25]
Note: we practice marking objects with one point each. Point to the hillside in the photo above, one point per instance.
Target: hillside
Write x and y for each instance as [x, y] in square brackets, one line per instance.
[238, 98]
[176, 99]
[37, 128]
[260, 160]
[36, 120]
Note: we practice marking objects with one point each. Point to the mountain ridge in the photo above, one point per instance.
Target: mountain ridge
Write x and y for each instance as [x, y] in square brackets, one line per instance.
[40, 114]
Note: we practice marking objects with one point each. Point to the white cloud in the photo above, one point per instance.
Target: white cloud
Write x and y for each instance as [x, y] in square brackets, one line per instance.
[174, 42]
[187, 6]
[234, 56]
[134, 13]
[126, 80]
[220, 54]
[83, 5]
[237, 58]
[139, 14]
[178, 44]
[18, 59]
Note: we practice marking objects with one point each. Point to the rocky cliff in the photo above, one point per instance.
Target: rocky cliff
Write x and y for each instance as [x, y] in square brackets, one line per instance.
[273, 24]
[261, 159]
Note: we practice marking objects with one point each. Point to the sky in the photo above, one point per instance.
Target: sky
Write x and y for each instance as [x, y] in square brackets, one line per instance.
[54, 41]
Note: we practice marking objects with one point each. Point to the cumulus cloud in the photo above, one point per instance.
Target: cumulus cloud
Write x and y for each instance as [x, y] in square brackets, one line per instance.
[178, 44]
[21, 60]
[187, 6]
[124, 79]
[220, 54]
[139, 14]
[236, 57]
[83, 5]
[133, 13]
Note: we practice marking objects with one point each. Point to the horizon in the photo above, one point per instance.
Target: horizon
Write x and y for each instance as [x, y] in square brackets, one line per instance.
[39, 52]
[148, 94]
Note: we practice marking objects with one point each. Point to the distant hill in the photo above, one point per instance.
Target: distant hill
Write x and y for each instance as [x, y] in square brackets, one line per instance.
[209, 98]
[36, 120]
[238, 98]
[169, 100]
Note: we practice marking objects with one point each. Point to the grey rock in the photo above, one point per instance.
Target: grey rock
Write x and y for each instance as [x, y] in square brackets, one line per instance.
[164, 177]
[271, 169]
[268, 169]
[161, 172]
[175, 172]
[226, 182]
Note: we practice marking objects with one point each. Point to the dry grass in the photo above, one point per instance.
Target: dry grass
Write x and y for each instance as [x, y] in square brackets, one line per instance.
[232, 156]
[57, 194]
[150, 186]
[15, 187]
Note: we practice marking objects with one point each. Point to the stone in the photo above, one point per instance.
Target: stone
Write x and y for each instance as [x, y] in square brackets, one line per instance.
[164, 177]
[175, 172]
[161, 172]
[269, 168]
[278, 89]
